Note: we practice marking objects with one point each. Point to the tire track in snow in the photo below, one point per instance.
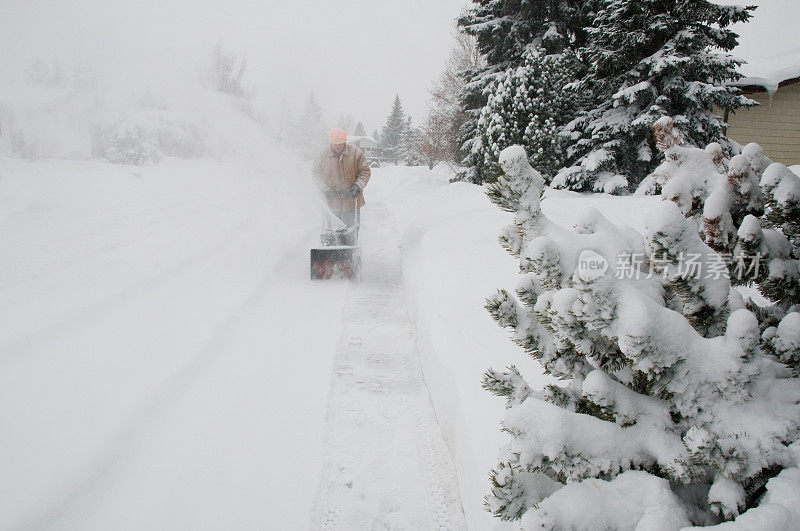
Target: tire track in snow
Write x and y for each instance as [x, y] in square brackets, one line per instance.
[385, 463]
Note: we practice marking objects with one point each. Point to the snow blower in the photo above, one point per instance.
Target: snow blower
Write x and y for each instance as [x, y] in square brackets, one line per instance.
[339, 255]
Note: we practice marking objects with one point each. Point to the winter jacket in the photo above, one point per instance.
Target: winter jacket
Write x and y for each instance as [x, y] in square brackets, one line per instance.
[339, 172]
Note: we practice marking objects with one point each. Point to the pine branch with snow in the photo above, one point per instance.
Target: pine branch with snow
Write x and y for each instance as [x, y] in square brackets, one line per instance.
[528, 107]
[649, 58]
[667, 386]
[746, 209]
[506, 31]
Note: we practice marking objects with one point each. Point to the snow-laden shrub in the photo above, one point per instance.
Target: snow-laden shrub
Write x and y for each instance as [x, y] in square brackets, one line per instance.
[131, 143]
[747, 209]
[663, 373]
[179, 139]
[23, 143]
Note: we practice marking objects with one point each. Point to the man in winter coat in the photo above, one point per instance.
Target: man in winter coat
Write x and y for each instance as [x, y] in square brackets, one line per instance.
[341, 172]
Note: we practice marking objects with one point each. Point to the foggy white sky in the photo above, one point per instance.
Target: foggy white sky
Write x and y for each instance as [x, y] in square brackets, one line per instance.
[774, 29]
[354, 54]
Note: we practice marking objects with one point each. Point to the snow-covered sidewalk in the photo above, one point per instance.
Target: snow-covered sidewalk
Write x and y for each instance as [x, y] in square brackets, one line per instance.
[386, 463]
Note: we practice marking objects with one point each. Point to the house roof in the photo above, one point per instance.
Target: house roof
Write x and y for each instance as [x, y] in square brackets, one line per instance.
[769, 72]
[768, 44]
[356, 138]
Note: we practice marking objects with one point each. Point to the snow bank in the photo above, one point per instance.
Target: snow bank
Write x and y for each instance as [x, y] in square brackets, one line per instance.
[632, 500]
[452, 262]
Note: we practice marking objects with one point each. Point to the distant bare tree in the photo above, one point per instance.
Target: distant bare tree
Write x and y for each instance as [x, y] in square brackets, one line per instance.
[226, 72]
[446, 114]
[433, 141]
[464, 55]
[346, 123]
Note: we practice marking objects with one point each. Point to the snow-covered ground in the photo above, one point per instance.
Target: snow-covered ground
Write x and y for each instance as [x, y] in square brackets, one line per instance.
[165, 362]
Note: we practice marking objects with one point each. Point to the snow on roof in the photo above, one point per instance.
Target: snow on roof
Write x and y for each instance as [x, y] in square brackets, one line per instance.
[768, 43]
[356, 138]
[771, 71]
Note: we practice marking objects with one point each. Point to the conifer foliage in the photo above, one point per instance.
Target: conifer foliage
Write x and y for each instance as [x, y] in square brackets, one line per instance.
[639, 60]
[392, 138]
[528, 107]
[505, 31]
[647, 59]
[400, 140]
[671, 404]
[747, 210]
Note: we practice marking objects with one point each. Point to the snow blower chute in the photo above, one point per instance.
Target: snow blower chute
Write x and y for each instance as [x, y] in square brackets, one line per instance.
[339, 255]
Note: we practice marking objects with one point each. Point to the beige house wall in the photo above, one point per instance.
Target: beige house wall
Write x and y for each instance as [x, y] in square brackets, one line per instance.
[775, 124]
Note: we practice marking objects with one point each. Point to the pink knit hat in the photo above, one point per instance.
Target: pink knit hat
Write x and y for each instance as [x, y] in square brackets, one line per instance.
[337, 136]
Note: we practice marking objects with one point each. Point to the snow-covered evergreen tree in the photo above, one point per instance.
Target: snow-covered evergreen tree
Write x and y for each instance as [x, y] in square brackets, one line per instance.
[649, 58]
[131, 143]
[746, 208]
[670, 412]
[391, 141]
[505, 30]
[360, 131]
[410, 145]
[310, 133]
[528, 107]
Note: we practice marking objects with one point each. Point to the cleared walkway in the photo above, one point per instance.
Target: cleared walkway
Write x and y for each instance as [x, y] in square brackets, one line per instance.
[385, 463]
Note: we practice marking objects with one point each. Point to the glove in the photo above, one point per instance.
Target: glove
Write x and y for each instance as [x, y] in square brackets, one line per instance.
[354, 190]
[328, 192]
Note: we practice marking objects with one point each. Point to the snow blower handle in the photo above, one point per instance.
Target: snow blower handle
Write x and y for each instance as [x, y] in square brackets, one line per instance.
[356, 212]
